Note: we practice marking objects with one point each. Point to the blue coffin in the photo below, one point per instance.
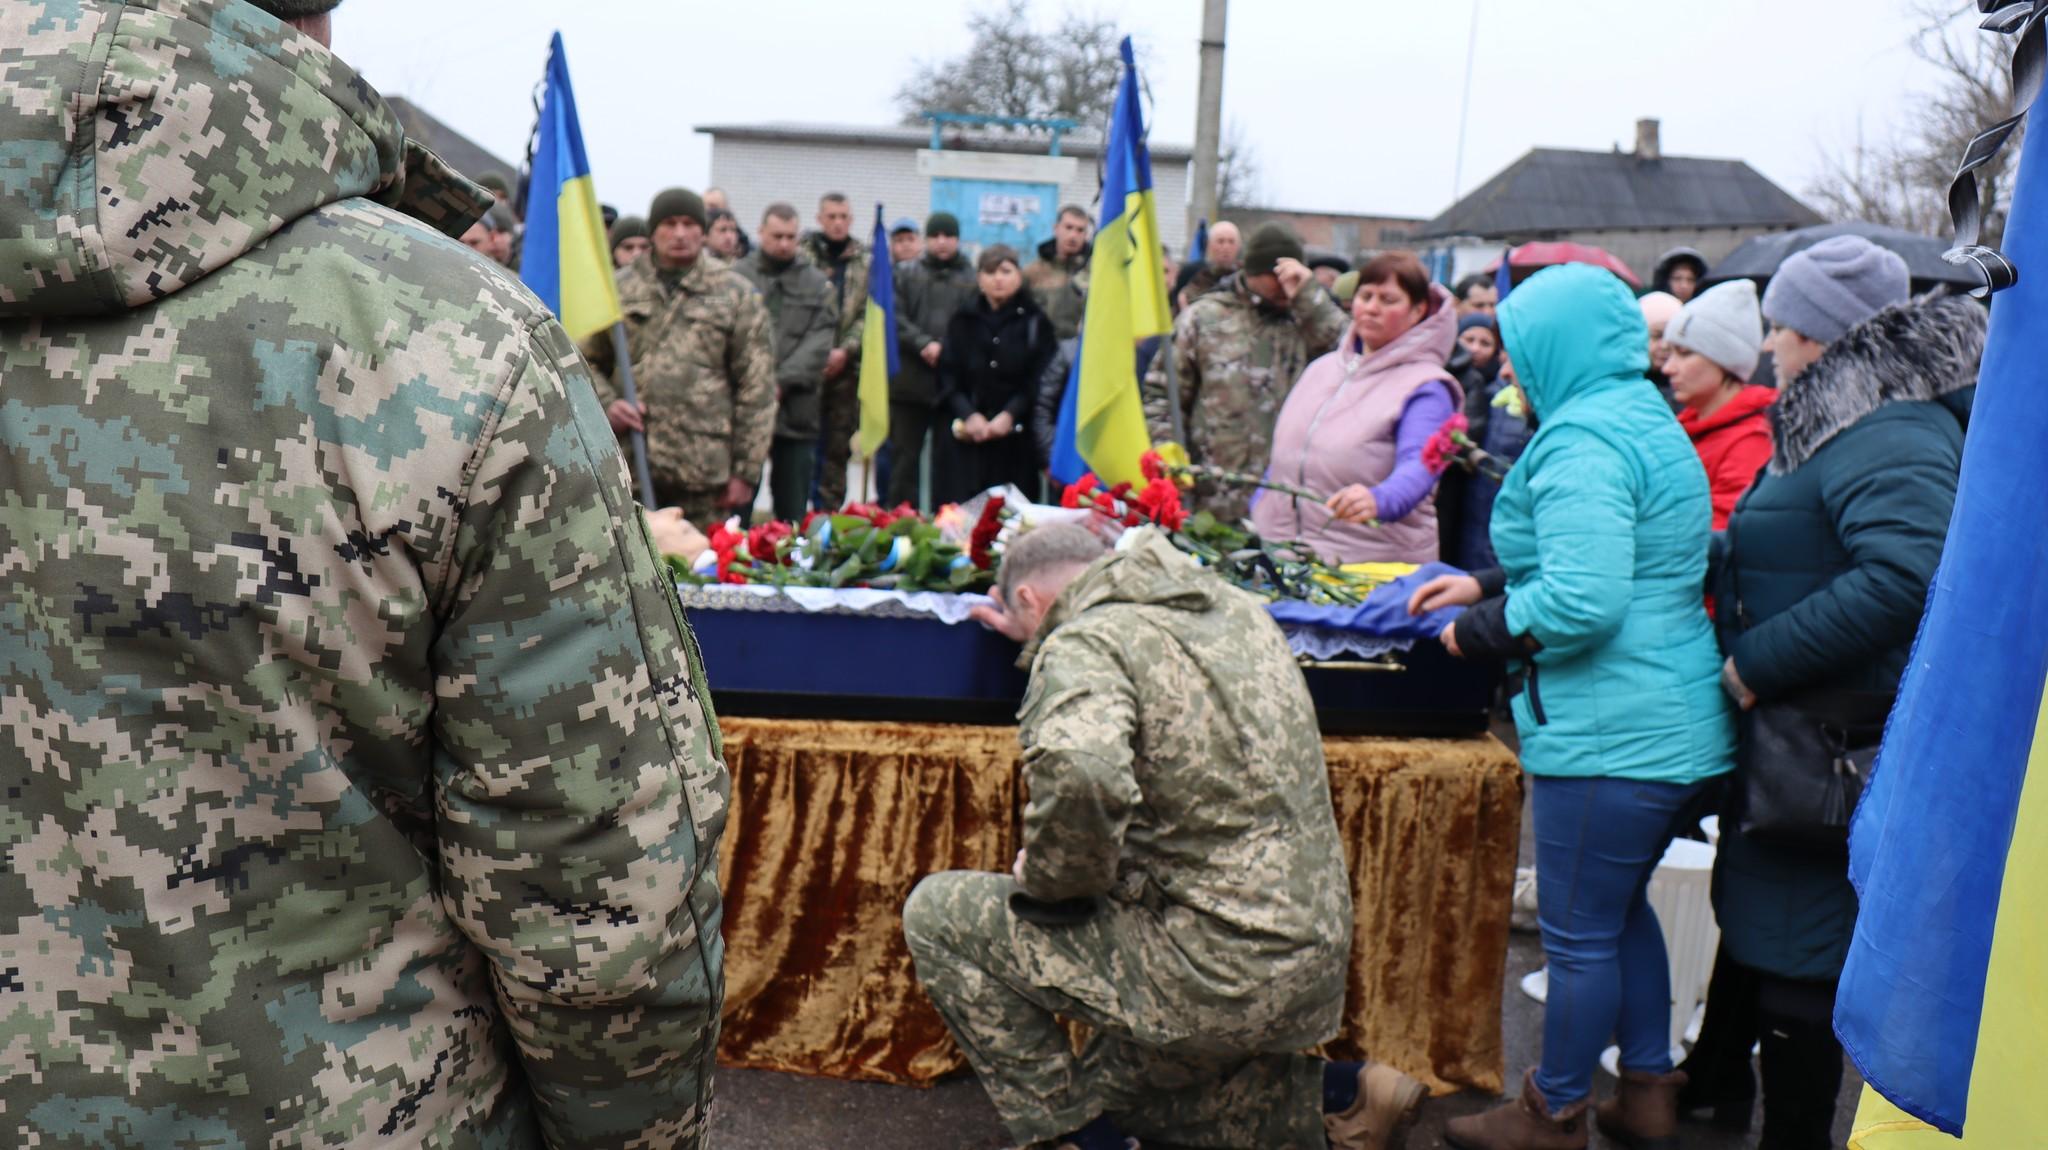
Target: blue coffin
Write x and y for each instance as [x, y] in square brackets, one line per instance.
[915, 668]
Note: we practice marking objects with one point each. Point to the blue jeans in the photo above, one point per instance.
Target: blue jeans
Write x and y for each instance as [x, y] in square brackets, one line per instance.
[1597, 841]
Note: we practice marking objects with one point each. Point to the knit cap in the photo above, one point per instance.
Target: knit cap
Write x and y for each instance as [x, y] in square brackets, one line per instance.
[677, 202]
[1658, 308]
[1272, 242]
[1834, 285]
[1346, 288]
[1723, 324]
[1476, 319]
[628, 227]
[942, 224]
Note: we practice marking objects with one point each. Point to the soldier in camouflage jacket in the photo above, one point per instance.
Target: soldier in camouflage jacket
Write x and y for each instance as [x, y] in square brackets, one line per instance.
[362, 784]
[1181, 889]
[703, 358]
[1237, 353]
[1058, 278]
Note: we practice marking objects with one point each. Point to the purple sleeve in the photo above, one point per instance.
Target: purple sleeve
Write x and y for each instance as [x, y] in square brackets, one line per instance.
[1404, 490]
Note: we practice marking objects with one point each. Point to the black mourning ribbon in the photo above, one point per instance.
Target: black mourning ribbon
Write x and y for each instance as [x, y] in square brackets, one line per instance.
[1965, 207]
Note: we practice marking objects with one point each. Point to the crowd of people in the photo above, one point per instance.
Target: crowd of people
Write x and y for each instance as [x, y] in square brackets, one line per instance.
[343, 671]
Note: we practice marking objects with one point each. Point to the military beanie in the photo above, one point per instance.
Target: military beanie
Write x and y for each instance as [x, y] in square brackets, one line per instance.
[628, 227]
[295, 9]
[1270, 243]
[942, 224]
[677, 202]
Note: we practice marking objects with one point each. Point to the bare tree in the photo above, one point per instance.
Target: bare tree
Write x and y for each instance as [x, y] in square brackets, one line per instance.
[1904, 182]
[1237, 171]
[1013, 69]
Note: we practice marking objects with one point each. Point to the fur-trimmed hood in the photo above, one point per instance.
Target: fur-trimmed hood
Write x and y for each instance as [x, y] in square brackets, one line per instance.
[1924, 349]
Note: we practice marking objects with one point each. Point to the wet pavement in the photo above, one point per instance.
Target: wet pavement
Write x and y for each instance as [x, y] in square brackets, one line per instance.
[760, 1110]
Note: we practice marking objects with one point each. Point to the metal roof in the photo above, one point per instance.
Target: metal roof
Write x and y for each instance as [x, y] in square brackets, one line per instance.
[1562, 190]
[462, 153]
[1081, 142]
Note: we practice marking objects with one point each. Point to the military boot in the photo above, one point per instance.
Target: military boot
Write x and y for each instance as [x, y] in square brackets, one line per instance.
[1524, 1124]
[1643, 1114]
[1385, 1111]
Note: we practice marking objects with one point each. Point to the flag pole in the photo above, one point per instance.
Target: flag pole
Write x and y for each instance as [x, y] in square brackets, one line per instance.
[1180, 431]
[641, 473]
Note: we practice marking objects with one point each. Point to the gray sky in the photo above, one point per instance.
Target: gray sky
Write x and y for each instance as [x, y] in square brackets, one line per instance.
[1350, 105]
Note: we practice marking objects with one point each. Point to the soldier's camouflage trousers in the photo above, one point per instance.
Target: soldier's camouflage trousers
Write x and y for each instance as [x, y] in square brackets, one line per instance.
[1002, 984]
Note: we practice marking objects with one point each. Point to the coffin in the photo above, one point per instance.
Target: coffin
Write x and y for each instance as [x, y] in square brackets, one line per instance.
[769, 656]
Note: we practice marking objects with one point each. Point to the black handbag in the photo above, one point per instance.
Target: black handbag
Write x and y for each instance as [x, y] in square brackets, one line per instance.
[1802, 765]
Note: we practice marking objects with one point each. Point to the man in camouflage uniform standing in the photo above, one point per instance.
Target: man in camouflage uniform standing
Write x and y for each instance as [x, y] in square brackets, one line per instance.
[362, 784]
[703, 358]
[1238, 350]
[1181, 889]
[845, 260]
[804, 311]
[1058, 278]
[928, 292]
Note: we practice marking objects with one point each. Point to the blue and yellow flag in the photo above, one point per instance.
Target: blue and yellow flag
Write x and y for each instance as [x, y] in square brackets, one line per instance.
[1102, 419]
[1944, 1001]
[878, 330]
[567, 260]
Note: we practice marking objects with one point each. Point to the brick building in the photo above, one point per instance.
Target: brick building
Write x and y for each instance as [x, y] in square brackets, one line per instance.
[758, 164]
[1343, 233]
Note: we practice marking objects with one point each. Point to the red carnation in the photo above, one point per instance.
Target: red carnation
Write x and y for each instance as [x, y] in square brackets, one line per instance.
[762, 541]
[1446, 444]
[1152, 466]
[986, 529]
[1160, 502]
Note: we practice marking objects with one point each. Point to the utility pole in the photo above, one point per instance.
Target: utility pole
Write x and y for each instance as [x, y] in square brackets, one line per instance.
[1208, 115]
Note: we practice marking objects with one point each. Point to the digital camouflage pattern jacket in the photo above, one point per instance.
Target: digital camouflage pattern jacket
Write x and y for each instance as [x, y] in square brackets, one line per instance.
[1172, 760]
[360, 784]
[1237, 359]
[1061, 287]
[849, 273]
[703, 355]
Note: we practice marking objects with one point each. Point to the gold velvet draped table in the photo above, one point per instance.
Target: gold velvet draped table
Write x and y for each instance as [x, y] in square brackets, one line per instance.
[833, 823]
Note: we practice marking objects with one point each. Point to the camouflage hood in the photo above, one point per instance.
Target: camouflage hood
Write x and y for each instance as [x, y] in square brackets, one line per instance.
[145, 144]
[1150, 572]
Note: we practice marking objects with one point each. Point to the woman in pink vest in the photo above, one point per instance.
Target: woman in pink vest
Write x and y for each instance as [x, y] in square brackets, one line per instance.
[1356, 422]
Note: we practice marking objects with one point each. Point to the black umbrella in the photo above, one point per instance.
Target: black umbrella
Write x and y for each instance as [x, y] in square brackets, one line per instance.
[1758, 259]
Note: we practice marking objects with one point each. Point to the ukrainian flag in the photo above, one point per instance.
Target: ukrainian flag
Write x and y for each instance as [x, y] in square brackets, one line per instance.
[1944, 1002]
[1102, 419]
[566, 259]
[878, 330]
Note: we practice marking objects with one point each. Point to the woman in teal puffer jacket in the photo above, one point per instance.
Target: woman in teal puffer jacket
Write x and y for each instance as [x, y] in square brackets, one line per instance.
[1602, 530]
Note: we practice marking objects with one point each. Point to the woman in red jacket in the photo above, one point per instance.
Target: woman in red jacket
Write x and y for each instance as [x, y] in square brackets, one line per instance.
[1715, 341]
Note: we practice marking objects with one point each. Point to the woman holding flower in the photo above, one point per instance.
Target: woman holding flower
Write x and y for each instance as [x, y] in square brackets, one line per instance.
[1358, 421]
[996, 348]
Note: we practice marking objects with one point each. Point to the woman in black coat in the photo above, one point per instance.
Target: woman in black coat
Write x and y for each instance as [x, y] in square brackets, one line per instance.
[1821, 578]
[996, 349]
